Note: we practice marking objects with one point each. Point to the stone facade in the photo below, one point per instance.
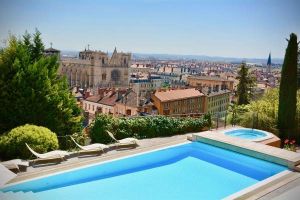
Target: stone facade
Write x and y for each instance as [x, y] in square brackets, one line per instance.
[96, 69]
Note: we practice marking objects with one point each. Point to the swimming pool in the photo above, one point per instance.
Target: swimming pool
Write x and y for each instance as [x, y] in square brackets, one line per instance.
[249, 134]
[189, 171]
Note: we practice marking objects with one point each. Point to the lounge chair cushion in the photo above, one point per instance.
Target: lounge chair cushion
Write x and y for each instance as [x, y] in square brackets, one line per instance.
[96, 146]
[128, 140]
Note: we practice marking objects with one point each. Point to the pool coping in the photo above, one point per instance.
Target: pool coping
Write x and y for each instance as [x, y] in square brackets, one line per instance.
[265, 187]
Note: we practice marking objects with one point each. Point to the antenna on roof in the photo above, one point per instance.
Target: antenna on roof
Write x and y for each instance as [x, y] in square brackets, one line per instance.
[50, 44]
[88, 47]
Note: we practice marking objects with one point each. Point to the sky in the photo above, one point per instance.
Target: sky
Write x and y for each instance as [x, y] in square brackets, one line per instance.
[229, 28]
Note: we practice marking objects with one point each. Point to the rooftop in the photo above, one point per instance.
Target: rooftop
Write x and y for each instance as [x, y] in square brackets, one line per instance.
[94, 98]
[171, 95]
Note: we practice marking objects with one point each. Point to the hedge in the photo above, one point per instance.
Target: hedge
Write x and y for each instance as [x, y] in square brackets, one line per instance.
[39, 138]
[144, 127]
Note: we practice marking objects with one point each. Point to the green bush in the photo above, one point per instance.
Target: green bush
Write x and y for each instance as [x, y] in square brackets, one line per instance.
[144, 127]
[99, 127]
[38, 138]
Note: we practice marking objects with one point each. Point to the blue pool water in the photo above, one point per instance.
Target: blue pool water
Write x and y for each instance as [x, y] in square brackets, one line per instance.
[190, 171]
[246, 133]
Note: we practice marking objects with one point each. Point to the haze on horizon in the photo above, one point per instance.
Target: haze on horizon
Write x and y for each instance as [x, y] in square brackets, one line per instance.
[231, 28]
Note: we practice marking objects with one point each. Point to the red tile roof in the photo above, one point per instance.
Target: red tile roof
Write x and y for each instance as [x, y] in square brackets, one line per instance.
[172, 95]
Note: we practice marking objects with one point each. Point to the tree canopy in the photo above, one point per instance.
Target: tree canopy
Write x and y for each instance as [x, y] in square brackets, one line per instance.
[31, 91]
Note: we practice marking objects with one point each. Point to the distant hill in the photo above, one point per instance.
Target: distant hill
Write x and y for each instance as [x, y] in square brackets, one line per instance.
[205, 58]
[144, 56]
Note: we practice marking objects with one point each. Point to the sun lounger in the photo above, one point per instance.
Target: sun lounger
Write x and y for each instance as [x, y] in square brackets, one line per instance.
[16, 165]
[92, 148]
[6, 175]
[126, 142]
[51, 156]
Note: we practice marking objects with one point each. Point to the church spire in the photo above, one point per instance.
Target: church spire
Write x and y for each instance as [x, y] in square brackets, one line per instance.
[269, 59]
[114, 57]
[269, 63]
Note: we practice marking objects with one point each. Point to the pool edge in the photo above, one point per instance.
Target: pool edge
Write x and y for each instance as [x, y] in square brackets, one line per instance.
[265, 187]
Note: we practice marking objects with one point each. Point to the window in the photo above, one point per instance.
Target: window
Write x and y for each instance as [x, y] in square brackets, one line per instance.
[103, 61]
[103, 77]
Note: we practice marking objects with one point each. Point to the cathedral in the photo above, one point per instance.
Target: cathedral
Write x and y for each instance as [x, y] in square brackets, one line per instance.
[97, 69]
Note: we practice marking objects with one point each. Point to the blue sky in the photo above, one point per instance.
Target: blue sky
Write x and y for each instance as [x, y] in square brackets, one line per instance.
[231, 28]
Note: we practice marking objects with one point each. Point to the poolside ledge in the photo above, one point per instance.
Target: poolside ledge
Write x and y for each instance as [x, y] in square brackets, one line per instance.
[261, 151]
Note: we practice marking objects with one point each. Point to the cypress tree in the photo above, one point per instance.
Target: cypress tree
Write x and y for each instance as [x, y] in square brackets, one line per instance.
[288, 90]
[246, 82]
[298, 75]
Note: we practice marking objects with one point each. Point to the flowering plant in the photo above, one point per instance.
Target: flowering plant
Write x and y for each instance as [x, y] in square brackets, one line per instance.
[289, 145]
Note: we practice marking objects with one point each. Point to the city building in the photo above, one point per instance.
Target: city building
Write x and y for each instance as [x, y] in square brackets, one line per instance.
[142, 83]
[191, 101]
[217, 102]
[213, 83]
[130, 104]
[179, 101]
[103, 102]
[96, 69]
[141, 68]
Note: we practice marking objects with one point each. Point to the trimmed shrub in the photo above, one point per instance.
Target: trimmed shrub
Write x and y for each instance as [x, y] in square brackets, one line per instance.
[39, 138]
[99, 127]
[144, 127]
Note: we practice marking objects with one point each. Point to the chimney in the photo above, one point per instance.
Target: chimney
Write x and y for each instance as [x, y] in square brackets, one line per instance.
[119, 95]
[87, 94]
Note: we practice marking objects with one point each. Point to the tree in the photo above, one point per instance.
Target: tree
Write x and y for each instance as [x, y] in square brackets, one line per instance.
[288, 91]
[31, 90]
[263, 113]
[298, 74]
[246, 82]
